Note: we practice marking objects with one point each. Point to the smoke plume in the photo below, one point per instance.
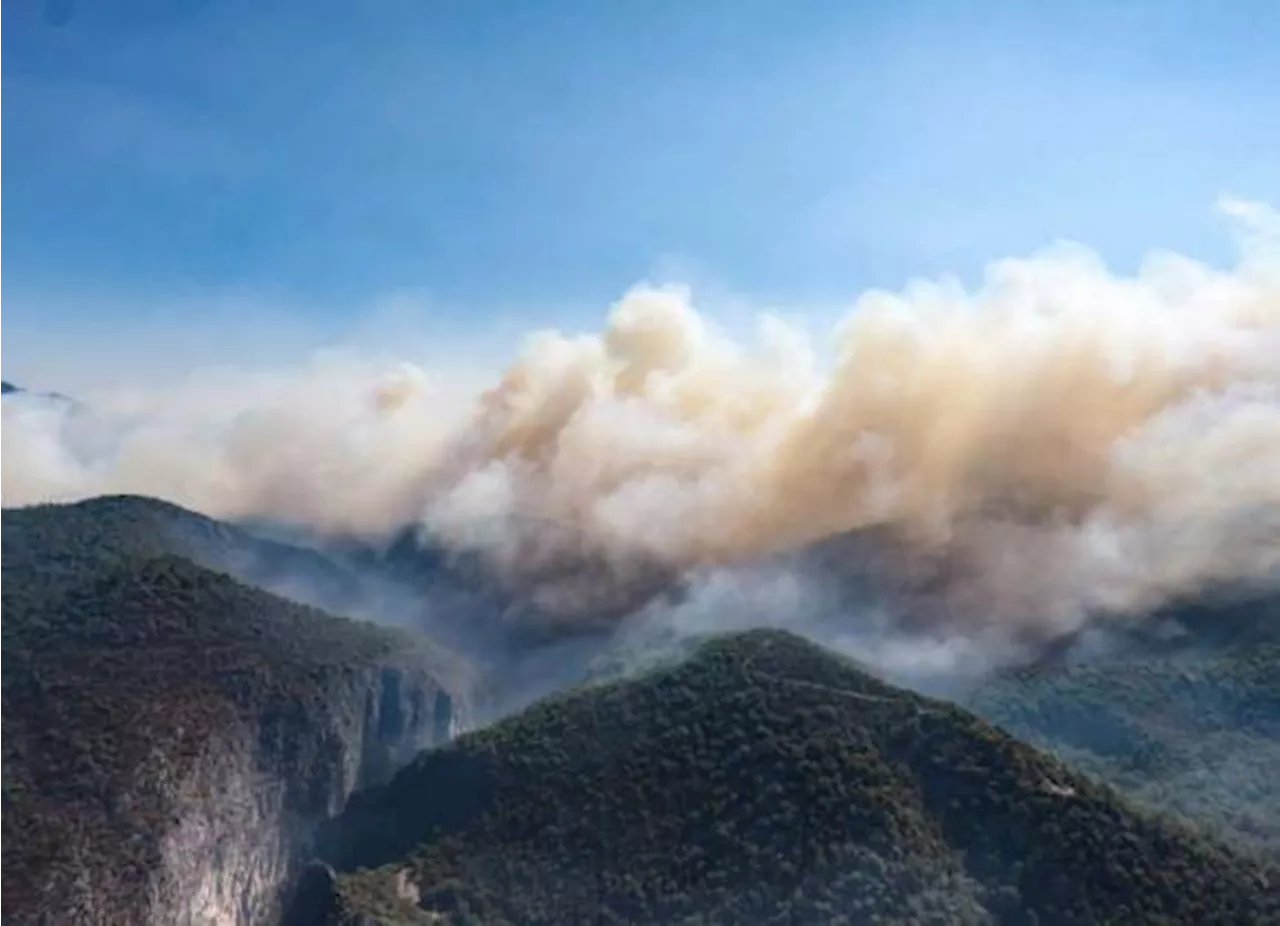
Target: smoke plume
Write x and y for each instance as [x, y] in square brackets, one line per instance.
[1057, 442]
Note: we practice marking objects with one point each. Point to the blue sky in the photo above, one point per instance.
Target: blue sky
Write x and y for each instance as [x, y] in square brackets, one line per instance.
[168, 162]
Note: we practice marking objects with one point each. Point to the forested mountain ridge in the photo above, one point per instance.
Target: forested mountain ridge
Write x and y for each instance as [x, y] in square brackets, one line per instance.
[766, 780]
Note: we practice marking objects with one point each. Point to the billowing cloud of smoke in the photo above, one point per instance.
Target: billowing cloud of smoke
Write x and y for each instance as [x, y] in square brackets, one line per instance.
[337, 446]
[1056, 443]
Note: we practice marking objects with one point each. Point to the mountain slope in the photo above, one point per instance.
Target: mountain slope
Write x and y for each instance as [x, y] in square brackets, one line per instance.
[171, 736]
[1193, 730]
[64, 542]
[764, 780]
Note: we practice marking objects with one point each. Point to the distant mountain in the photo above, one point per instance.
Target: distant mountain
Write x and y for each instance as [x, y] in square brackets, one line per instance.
[8, 388]
[172, 736]
[62, 541]
[1181, 711]
[763, 780]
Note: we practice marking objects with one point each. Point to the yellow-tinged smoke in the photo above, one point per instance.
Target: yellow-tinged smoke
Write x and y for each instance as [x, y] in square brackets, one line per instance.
[1060, 434]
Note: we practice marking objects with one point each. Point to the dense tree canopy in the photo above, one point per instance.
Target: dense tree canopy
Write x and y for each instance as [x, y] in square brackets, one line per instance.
[765, 780]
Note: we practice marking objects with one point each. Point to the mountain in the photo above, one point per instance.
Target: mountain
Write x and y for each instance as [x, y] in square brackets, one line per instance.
[171, 735]
[8, 388]
[761, 780]
[63, 541]
[1181, 712]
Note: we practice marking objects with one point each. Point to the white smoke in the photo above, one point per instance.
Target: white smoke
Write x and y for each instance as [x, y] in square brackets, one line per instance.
[1061, 439]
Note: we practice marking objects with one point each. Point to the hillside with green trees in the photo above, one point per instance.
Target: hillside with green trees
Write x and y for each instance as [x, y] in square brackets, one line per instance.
[763, 780]
[1193, 733]
[171, 735]
[63, 544]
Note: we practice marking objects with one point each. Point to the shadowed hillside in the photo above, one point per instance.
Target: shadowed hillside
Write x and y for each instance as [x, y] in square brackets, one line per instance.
[63, 543]
[1181, 711]
[764, 780]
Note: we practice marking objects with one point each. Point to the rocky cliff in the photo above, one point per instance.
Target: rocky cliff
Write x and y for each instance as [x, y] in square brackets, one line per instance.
[245, 809]
[172, 737]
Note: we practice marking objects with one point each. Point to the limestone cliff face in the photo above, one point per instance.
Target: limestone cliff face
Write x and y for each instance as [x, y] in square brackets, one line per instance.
[245, 811]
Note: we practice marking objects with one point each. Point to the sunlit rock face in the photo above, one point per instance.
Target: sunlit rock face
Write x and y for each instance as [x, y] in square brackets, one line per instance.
[231, 826]
[244, 814]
